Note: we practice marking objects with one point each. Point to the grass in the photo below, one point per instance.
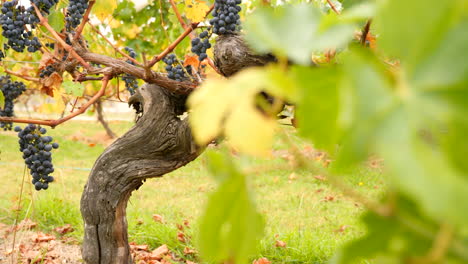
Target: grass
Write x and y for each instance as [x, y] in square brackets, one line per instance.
[296, 210]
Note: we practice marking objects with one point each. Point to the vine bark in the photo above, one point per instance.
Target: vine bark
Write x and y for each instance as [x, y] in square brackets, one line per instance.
[159, 143]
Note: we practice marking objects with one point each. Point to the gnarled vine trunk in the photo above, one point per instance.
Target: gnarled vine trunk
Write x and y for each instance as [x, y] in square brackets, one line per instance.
[158, 143]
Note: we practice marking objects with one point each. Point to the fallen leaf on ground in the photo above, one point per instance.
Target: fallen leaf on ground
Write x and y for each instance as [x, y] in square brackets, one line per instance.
[341, 229]
[27, 224]
[41, 237]
[158, 218]
[64, 229]
[280, 243]
[134, 246]
[189, 251]
[181, 237]
[261, 261]
[320, 178]
[292, 176]
[159, 252]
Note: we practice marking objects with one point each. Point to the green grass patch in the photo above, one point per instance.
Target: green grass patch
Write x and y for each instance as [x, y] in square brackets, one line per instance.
[298, 211]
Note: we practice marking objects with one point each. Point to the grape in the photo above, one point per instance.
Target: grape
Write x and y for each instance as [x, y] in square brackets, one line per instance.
[75, 12]
[131, 83]
[226, 19]
[18, 21]
[47, 71]
[174, 68]
[36, 154]
[11, 90]
[201, 44]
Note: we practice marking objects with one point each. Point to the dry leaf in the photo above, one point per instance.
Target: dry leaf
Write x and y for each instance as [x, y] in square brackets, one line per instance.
[159, 252]
[27, 224]
[341, 229]
[134, 246]
[181, 237]
[261, 261]
[188, 251]
[158, 218]
[41, 237]
[64, 229]
[180, 227]
[292, 176]
[280, 243]
[320, 178]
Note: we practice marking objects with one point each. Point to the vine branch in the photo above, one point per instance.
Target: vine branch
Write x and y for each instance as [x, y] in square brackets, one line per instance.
[333, 7]
[54, 123]
[176, 42]
[85, 19]
[43, 21]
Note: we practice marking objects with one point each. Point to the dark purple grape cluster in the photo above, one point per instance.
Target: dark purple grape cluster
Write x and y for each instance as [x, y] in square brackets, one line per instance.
[75, 12]
[36, 149]
[17, 21]
[226, 19]
[47, 71]
[174, 69]
[11, 90]
[201, 44]
[131, 83]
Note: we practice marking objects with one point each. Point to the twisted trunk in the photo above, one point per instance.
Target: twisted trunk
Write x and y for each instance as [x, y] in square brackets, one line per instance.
[158, 143]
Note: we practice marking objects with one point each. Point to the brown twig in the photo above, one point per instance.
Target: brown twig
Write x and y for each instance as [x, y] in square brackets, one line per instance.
[333, 7]
[22, 76]
[43, 21]
[365, 32]
[113, 46]
[54, 123]
[85, 19]
[179, 17]
[176, 42]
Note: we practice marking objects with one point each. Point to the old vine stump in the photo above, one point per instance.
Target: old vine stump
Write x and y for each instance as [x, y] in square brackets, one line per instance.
[159, 143]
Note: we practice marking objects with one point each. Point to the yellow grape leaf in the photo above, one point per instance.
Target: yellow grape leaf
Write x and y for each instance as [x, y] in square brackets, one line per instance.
[249, 131]
[195, 10]
[133, 31]
[104, 8]
[205, 122]
[227, 107]
[53, 105]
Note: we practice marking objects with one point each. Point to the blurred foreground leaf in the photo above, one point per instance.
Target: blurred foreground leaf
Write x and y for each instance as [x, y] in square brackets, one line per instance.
[230, 227]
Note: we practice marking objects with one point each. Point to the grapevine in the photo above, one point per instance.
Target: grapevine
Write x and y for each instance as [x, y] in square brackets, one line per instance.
[37, 155]
[11, 90]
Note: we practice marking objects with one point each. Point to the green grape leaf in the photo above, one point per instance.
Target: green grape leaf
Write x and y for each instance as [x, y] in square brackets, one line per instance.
[318, 108]
[2, 100]
[368, 246]
[56, 20]
[73, 88]
[421, 172]
[433, 71]
[369, 99]
[293, 31]
[230, 226]
[104, 8]
[411, 30]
